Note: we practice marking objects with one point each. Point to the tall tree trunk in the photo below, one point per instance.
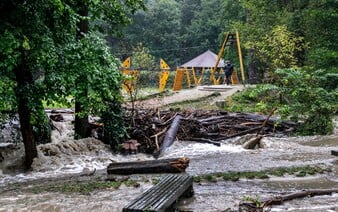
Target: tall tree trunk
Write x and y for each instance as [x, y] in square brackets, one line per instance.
[252, 71]
[253, 75]
[81, 121]
[24, 79]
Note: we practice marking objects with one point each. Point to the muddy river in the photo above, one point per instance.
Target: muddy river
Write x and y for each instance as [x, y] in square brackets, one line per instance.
[66, 157]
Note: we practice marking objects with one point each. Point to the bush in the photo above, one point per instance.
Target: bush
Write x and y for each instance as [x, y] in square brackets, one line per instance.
[309, 98]
[308, 102]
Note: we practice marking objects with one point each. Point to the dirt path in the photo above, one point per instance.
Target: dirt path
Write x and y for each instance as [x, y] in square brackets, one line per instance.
[191, 94]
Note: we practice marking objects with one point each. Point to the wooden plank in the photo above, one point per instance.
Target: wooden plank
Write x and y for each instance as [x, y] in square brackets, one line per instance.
[163, 195]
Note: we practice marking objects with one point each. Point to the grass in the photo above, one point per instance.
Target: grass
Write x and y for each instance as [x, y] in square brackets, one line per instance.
[301, 171]
[80, 187]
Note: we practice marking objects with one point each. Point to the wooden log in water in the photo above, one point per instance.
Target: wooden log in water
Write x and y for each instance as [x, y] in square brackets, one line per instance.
[277, 200]
[334, 152]
[170, 136]
[176, 165]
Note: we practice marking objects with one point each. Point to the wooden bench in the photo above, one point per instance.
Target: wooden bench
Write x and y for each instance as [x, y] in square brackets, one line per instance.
[163, 195]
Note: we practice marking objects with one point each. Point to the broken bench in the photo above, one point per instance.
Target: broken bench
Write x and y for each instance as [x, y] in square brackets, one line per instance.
[163, 195]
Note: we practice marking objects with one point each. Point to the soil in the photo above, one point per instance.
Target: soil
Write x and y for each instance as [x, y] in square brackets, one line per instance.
[190, 95]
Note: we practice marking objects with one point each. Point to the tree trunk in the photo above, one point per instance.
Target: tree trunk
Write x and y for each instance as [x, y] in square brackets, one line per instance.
[175, 165]
[81, 121]
[252, 72]
[253, 76]
[81, 124]
[277, 200]
[170, 136]
[24, 79]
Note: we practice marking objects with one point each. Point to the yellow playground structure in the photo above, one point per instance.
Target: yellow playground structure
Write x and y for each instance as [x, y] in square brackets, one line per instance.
[207, 67]
[131, 75]
[198, 68]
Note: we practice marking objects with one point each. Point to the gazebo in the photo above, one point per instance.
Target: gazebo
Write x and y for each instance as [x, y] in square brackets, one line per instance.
[202, 69]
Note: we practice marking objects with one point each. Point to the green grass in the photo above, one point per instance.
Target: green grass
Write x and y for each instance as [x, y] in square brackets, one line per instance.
[84, 188]
[279, 172]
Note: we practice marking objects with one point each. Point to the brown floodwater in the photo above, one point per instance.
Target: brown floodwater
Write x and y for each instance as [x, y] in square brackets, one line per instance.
[66, 157]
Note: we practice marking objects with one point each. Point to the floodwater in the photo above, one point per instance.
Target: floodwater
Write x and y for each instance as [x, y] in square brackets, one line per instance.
[66, 157]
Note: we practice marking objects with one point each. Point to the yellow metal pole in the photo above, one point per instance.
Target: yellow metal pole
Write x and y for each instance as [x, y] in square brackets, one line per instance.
[220, 54]
[240, 57]
[164, 74]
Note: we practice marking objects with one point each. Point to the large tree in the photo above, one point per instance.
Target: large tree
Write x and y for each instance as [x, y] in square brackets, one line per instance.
[27, 52]
[42, 57]
[108, 16]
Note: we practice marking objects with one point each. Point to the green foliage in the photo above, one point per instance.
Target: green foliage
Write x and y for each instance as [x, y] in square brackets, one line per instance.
[298, 94]
[256, 200]
[261, 98]
[7, 96]
[43, 59]
[142, 59]
[175, 30]
[279, 48]
[309, 103]
[114, 129]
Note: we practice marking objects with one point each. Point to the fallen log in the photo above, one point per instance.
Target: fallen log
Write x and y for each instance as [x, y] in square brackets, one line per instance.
[266, 121]
[170, 136]
[277, 200]
[176, 165]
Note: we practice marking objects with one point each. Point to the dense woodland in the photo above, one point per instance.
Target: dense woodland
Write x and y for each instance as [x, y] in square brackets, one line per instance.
[274, 34]
[69, 51]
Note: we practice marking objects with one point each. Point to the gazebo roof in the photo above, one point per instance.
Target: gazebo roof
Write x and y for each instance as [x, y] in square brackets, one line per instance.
[206, 60]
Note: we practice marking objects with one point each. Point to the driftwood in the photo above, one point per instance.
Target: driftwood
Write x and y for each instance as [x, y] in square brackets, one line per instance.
[277, 200]
[170, 136]
[252, 143]
[156, 130]
[334, 152]
[175, 165]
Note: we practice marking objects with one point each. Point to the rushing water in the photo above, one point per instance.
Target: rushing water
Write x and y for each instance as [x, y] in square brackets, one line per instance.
[65, 156]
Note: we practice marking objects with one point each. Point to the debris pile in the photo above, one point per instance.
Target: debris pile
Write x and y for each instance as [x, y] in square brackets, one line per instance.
[150, 127]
